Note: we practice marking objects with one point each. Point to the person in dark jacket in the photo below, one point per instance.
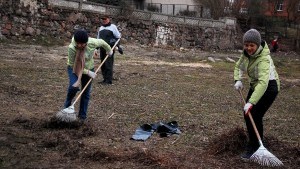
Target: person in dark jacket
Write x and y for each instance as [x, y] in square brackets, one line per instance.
[264, 84]
[110, 34]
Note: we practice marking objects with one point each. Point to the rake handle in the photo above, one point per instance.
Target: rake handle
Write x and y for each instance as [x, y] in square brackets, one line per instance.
[79, 95]
[251, 118]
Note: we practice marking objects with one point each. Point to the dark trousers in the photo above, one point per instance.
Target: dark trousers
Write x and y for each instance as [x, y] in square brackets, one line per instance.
[258, 111]
[107, 67]
[85, 97]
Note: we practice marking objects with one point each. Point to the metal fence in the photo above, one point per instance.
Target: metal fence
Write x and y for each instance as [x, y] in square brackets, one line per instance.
[139, 14]
[175, 9]
[172, 9]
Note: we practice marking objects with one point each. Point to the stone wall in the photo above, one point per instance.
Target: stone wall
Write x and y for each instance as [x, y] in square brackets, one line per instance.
[27, 19]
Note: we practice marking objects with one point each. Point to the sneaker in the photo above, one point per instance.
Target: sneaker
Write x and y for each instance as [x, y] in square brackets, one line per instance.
[80, 121]
[246, 155]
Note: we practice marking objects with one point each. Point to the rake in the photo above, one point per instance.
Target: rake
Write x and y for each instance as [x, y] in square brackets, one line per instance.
[68, 114]
[262, 156]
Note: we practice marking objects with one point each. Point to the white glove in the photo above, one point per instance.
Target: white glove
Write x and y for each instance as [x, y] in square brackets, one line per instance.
[91, 74]
[76, 84]
[247, 108]
[238, 85]
[111, 52]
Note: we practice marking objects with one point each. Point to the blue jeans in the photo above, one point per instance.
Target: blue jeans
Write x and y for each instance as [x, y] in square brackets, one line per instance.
[85, 97]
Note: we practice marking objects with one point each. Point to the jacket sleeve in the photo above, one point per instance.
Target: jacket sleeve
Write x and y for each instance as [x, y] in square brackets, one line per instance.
[239, 68]
[71, 56]
[116, 32]
[263, 72]
[103, 44]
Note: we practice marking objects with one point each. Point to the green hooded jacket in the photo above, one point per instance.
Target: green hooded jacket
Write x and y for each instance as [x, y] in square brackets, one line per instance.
[92, 44]
[260, 69]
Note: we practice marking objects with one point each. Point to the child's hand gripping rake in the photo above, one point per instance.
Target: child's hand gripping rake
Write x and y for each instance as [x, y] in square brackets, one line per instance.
[68, 114]
[262, 155]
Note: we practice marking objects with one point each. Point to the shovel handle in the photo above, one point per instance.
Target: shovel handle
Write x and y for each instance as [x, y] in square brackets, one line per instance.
[79, 95]
[251, 119]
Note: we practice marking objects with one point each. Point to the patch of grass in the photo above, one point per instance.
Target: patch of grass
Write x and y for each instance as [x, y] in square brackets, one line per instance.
[287, 66]
[224, 66]
[38, 40]
[202, 100]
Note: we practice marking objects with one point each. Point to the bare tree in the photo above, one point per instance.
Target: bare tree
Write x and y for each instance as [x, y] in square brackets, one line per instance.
[256, 8]
[216, 7]
[292, 10]
[238, 8]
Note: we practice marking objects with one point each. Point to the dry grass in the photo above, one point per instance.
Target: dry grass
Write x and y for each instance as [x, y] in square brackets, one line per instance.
[147, 89]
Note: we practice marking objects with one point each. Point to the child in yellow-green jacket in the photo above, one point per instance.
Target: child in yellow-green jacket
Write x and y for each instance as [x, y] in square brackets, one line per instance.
[81, 68]
[264, 84]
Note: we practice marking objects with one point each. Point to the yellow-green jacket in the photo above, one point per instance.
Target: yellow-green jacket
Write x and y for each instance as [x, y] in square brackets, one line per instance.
[92, 44]
[260, 69]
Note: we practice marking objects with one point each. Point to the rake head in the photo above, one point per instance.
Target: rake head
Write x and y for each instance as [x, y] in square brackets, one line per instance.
[265, 158]
[67, 115]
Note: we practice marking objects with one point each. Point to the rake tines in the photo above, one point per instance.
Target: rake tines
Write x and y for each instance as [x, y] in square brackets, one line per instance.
[67, 115]
[265, 158]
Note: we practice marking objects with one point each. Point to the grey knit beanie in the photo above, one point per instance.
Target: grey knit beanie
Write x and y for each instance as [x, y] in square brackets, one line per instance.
[253, 36]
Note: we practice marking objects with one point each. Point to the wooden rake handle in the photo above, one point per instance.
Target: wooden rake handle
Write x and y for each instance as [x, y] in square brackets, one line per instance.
[250, 116]
[77, 98]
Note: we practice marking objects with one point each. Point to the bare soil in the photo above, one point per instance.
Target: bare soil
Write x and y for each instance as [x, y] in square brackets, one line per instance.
[151, 85]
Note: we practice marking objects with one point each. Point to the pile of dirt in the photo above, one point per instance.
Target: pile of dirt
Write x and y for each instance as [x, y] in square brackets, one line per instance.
[66, 138]
[229, 143]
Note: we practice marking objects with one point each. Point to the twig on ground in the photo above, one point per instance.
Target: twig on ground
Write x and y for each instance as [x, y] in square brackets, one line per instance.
[110, 115]
[175, 140]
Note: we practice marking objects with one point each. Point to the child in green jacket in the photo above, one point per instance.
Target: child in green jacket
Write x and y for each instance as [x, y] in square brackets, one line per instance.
[80, 68]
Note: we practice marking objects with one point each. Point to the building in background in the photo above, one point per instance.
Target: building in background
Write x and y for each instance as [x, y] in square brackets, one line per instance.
[288, 10]
[172, 7]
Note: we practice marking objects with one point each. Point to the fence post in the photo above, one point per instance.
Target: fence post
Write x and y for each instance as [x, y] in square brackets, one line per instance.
[80, 5]
[161, 8]
[297, 39]
[174, 9]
